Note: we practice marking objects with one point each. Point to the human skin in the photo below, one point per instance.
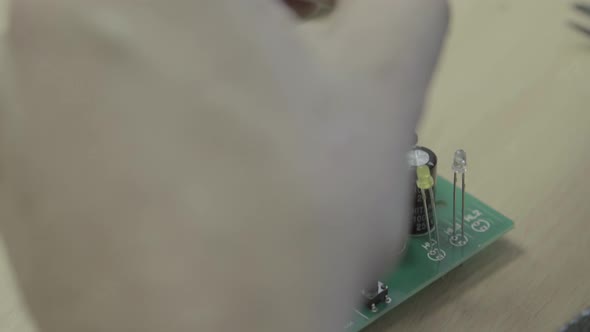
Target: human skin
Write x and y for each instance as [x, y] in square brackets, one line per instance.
[207, 166]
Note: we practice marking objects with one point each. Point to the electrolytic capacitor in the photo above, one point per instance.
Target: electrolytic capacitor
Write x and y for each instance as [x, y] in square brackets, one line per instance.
[419, 156]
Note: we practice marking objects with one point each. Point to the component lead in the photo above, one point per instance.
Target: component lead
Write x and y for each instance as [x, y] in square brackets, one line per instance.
[427, 218]
[426, 182]
[459, 167]
[431, 193]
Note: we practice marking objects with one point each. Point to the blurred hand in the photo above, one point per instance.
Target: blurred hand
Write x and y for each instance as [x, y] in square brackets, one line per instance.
[208, 166]
[310, 8]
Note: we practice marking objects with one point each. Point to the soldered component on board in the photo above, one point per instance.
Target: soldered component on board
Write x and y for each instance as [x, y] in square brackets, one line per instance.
[426, 183]
[459, 166]
[375, 295]
[420, 156]
[415, 270]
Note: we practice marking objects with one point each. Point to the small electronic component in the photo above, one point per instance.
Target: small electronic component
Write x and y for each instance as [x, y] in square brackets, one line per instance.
[459, 166]
[420, 156]
[425, 182]
[376, 295]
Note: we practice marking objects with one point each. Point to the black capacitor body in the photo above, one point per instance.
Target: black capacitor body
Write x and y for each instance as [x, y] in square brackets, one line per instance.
[419, 156]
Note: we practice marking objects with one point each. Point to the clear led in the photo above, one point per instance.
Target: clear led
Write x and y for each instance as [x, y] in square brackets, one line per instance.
[459, 162]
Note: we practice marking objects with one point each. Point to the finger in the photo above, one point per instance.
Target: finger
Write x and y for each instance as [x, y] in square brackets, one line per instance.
[395, 44]
[133, 120]
[4, 10]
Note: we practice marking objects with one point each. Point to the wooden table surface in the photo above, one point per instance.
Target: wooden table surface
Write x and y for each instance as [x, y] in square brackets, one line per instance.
[513, 91]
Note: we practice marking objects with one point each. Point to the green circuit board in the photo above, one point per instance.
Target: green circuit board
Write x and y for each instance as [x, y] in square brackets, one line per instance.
[417, 269]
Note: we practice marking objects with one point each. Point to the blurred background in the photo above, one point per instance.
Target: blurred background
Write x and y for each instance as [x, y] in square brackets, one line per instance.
[513, 90]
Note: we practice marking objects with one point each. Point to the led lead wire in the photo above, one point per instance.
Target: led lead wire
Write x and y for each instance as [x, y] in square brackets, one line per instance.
[459, 167]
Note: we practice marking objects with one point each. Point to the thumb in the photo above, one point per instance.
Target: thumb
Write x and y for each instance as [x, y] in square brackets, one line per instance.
[394, 44]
